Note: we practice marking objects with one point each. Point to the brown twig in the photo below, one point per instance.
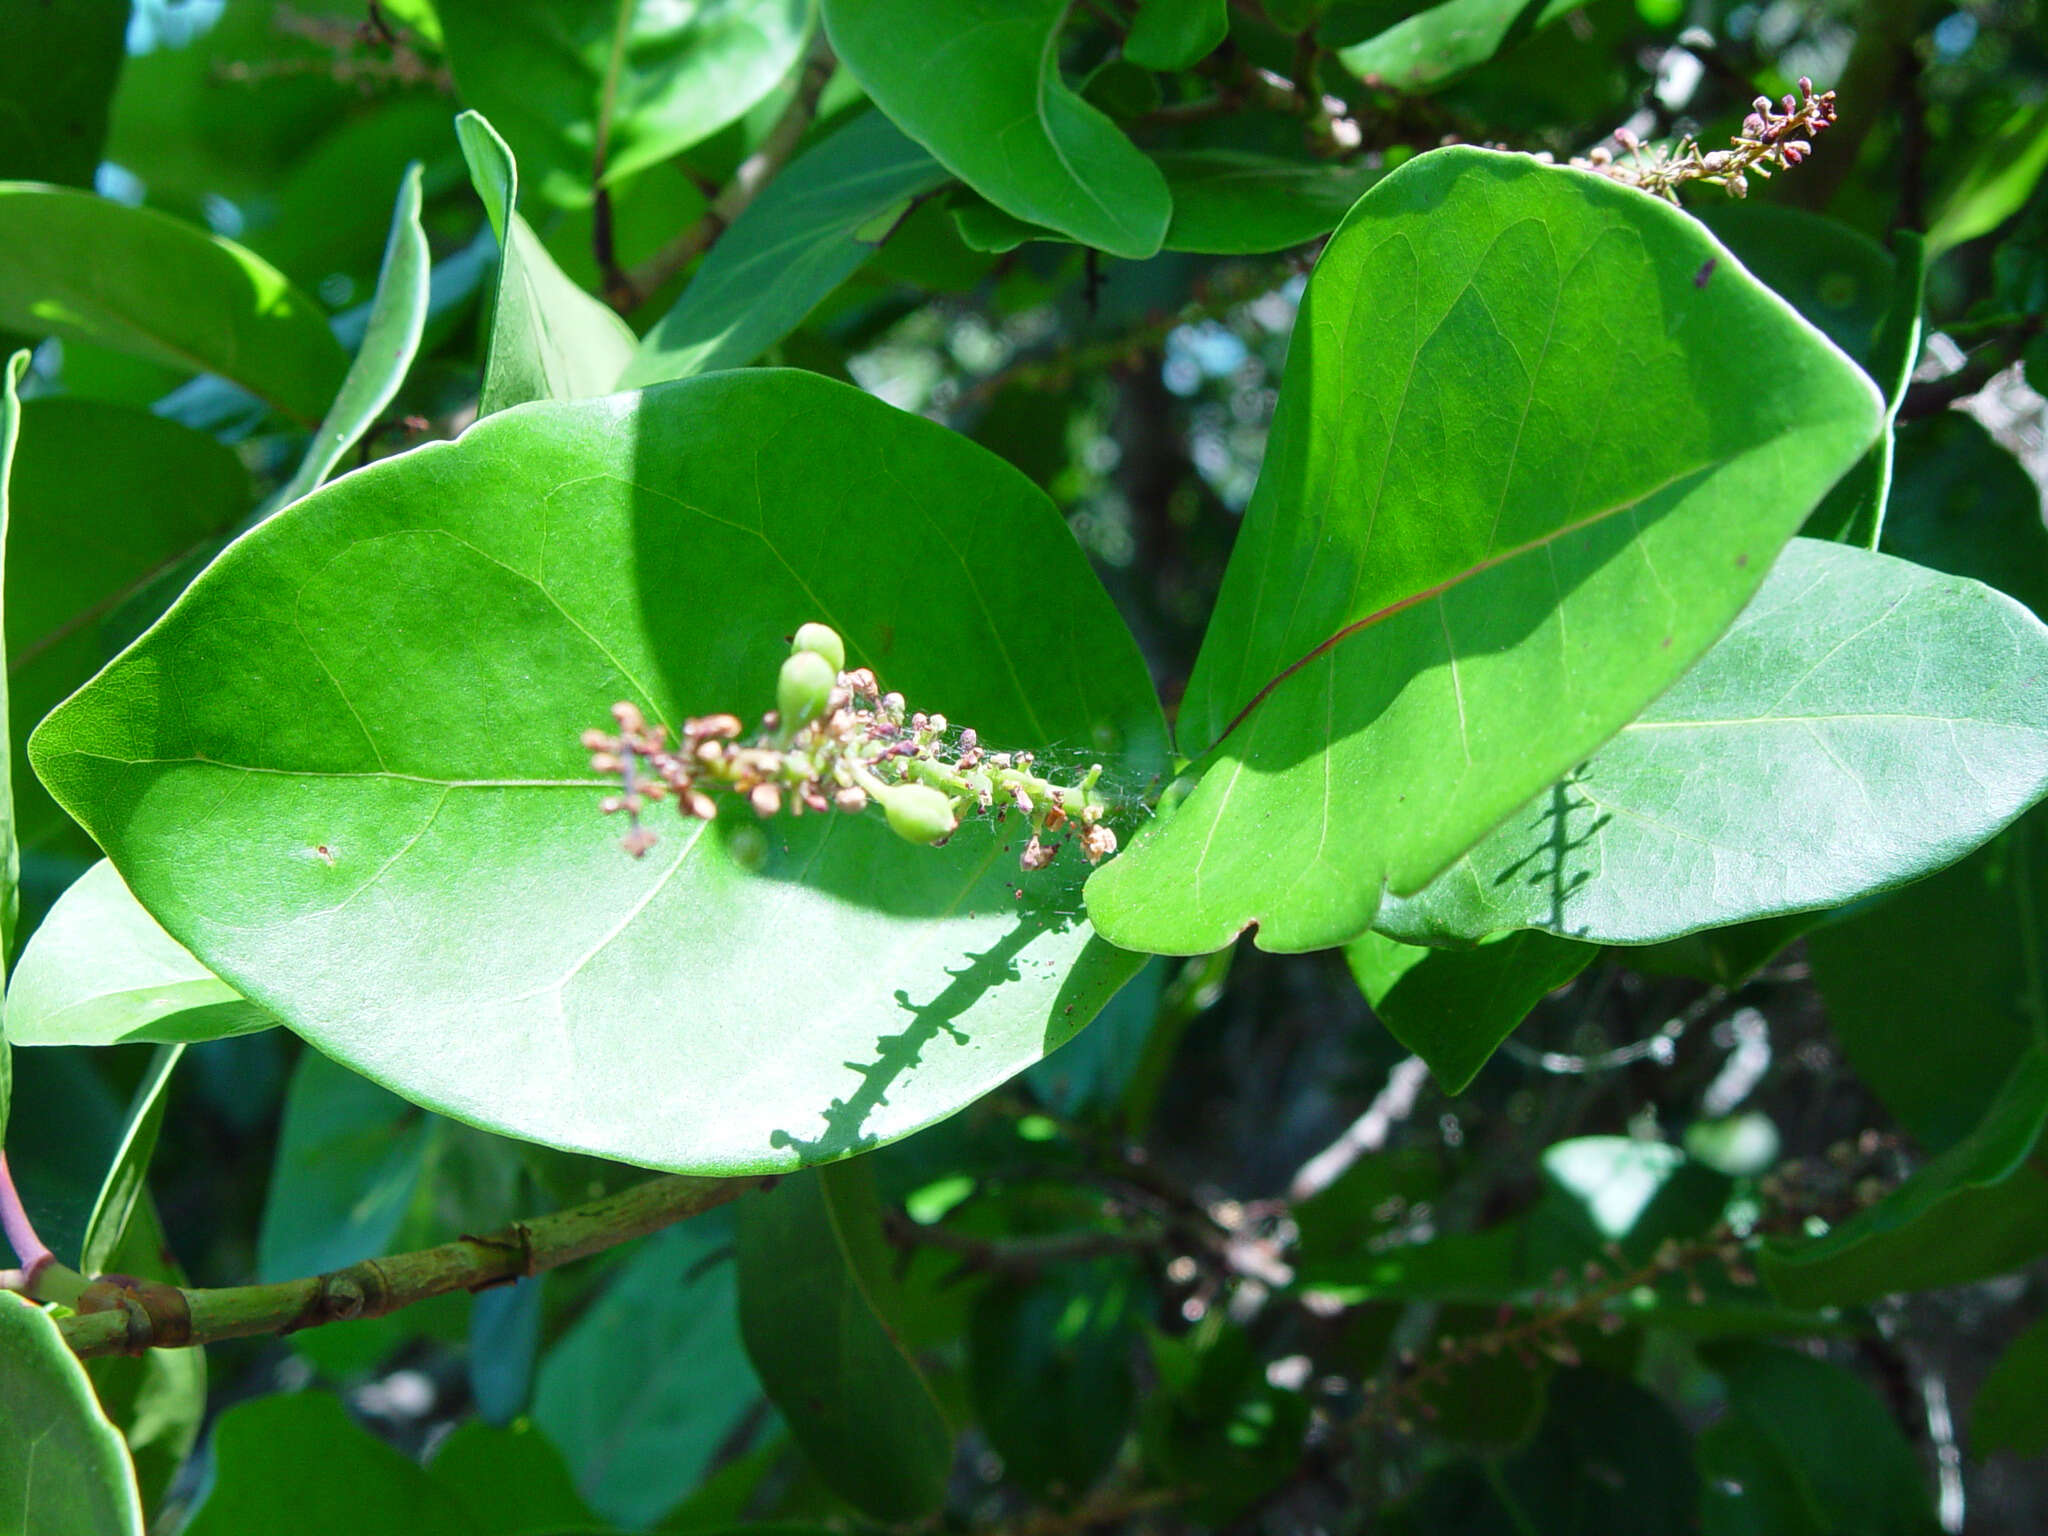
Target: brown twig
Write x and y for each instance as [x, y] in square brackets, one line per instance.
[125, 1317]
[755, 172]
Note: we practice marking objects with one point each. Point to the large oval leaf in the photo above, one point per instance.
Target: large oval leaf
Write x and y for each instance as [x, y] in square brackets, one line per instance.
[76, 265]
[1538, 440]
[977, 82]
[344, 771]
[1865, 722]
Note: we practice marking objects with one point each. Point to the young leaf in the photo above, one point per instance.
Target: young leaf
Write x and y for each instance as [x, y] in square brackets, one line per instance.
[1525, 469]
[808, 231]
[391, 339]
[650, 1383]
[402, 767]
[1978, 1209]
[549, 339]
[2011, 1410]
[299, 1463]
[126, 1179]
[815, 1312]
[99, 970]
[1176, 34]
[977, 82]
[1864, 722]
[1430, 47]
[108, 504]
[143, 283]
[592, 91]
[65, 1468]
[1453, 1007]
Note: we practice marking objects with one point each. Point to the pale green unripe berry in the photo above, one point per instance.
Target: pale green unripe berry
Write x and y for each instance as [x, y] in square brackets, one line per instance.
[824, 640]
[804, 689]
[918, 813]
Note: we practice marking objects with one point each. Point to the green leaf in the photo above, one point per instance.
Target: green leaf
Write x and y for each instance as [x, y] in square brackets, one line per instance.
[289, 1465]
[2011, 1410]
[1176, 34]
[1962, 503]
[1231, 203]
[549, 339]
[349, 1159]
[11, 374]
[1820, 1437]
[391, 339]
[108, 505]
[512, 1482]
[1995, 182]
[1049, 1364]
[1454, 1007]
[57, 78]
[101, 971]
[813, 227]
[815, 1313]
[1835, 275]
[1976, 1210]
[126, 1179]
[403, 768]
[651, 1381]
[1864, 722]
[1431, 47]
[1936, 993]
[149, 285]
[1522, 474]
[65, 1468]
[977, 82]
[583, 86]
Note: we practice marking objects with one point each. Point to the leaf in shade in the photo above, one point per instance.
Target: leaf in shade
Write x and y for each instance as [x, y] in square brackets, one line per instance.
[816, 1314]
[1524, 471]
[1864, 722]
[138, 281]
[1433, 46]
[1453, 1007]
[1994, 180]
[57, 76]
[811, 228]
[398, 776]
[2011, 1409]
[126, 1179]
[549, 339]
[1231, 203]
[1977, 1209]
[65, 1468]
[590, 92]
[391, 339]
[977, 82]
[99, 970]
[1176, 34]
[1835, 275]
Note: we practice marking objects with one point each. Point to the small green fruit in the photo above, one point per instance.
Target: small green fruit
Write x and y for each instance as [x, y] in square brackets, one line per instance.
[918, 813]
[804, 689]
[824, 640]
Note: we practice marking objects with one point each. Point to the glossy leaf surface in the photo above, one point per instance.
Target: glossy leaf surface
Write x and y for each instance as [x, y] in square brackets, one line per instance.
[1453, 1007]
[549, 339]
[99, 970]
[810, 230]
[1865, 721]
[1978, 1209]
[1521, 475]
[65, 1468]
[391, 339]
[977, 82]
[590, 92]
[140, 282]
[403, 767]
[817, 1314]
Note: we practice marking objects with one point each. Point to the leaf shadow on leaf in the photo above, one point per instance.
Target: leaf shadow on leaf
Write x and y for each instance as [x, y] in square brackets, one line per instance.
[1555, 872]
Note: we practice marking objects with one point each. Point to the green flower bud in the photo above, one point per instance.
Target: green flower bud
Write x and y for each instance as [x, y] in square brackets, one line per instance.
[824, 640]
[918, 813]
[803, 689]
